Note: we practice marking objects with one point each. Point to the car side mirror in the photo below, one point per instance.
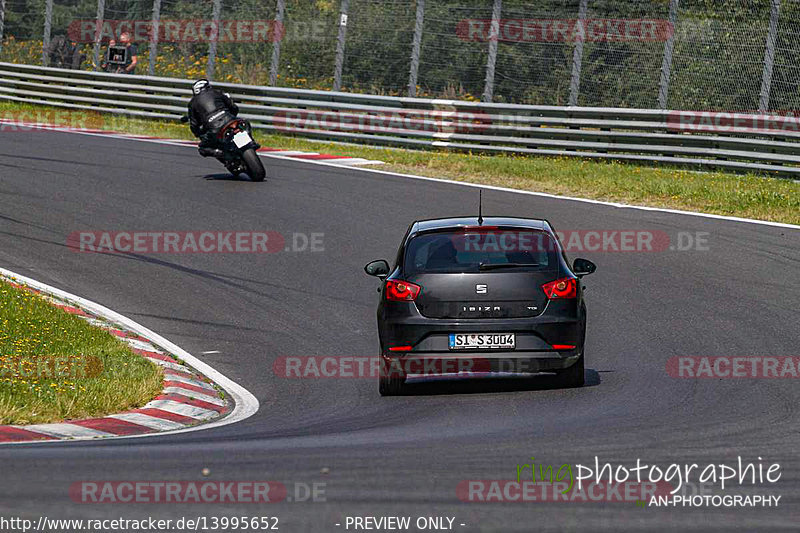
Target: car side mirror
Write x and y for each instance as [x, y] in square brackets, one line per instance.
[379, 269]
[583, 267]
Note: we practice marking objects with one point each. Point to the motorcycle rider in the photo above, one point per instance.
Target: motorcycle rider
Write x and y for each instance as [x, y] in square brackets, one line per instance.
[210, 110]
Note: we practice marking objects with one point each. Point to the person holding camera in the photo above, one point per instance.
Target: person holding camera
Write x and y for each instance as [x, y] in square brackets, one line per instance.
[122, 58]
[105, 64]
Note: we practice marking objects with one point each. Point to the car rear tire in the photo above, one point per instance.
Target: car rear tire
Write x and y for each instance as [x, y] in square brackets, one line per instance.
[255, 168]
[573, 376]
[389, 382]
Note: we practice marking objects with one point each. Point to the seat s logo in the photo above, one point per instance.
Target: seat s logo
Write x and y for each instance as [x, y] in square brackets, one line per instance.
[481, 289]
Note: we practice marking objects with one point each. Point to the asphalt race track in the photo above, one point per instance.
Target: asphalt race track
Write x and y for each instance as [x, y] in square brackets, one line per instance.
[402, 456]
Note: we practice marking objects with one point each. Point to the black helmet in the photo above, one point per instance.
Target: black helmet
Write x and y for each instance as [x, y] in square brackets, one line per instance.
[200, 86]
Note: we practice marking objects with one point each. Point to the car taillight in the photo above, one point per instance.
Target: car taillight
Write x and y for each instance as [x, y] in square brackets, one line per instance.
[401, 291]
[561, 288]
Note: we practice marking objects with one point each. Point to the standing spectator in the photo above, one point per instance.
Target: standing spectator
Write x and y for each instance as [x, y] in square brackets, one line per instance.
[106, 64]
[132, 55]
[64, 53]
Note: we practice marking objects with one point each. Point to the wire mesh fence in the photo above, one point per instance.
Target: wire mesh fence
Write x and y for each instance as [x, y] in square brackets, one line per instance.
[740, 56]
[452, 64]
[534, 61]
[378, 46]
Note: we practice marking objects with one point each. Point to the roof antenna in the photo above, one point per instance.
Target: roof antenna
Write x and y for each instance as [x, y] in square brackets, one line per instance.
[480, 207]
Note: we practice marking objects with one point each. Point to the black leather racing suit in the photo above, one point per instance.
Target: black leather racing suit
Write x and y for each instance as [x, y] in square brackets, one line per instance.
[209, 112]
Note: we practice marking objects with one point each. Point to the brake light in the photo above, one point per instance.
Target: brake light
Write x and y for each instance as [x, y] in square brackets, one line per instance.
[561, 288]
[233, 125]
[563, 347]
[400, 348]
[401, 291]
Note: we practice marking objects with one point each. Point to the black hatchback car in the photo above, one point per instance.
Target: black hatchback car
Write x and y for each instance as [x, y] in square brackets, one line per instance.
[481, 295]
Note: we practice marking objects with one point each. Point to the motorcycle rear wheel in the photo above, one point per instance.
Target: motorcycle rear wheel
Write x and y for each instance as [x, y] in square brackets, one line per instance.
[255, 168]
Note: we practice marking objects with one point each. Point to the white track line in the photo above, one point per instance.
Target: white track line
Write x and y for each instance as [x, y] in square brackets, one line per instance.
[567, 198]
[276, 155]
[355, 161]
[245, 404]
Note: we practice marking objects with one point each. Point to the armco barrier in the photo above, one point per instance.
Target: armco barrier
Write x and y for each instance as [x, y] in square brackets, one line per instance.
[637, 135]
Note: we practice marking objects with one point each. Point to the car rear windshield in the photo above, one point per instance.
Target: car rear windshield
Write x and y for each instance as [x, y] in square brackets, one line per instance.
[489, 250]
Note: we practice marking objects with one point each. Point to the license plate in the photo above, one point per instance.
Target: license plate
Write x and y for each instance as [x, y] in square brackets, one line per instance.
[242, 139]
[488, 341]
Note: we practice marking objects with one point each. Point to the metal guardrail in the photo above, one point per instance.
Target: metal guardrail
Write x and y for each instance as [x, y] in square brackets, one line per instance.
[636, 135]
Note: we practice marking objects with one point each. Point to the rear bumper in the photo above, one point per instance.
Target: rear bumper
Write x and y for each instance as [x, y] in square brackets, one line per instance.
[516, 362]
[561, 323]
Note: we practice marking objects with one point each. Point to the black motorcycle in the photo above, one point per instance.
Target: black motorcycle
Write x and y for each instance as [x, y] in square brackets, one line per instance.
[238, 149]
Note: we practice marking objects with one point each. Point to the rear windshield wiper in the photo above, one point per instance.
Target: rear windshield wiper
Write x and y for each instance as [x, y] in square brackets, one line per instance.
[495, 266]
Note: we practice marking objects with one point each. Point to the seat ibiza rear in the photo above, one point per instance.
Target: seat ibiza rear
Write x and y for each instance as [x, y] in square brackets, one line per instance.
[480, 295]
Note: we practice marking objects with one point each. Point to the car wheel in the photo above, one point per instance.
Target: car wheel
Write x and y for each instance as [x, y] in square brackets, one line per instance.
[391, 382]
[572, 376]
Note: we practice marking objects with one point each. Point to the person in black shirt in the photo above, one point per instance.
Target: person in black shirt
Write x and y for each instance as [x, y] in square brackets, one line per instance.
[131, 57]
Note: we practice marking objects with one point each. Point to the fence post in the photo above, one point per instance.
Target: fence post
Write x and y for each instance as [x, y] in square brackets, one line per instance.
[48, 21]
[2, 21]
[666, 63]
[494, 35]
[98, 34]
[278, 33]
[415, 48]
[337, 75]
[769, 56]
[577, 54]
[151, 70]
[216, 15]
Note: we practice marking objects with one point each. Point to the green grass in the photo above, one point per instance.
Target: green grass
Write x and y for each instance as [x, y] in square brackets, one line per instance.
[55, 366]
[748, 196]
